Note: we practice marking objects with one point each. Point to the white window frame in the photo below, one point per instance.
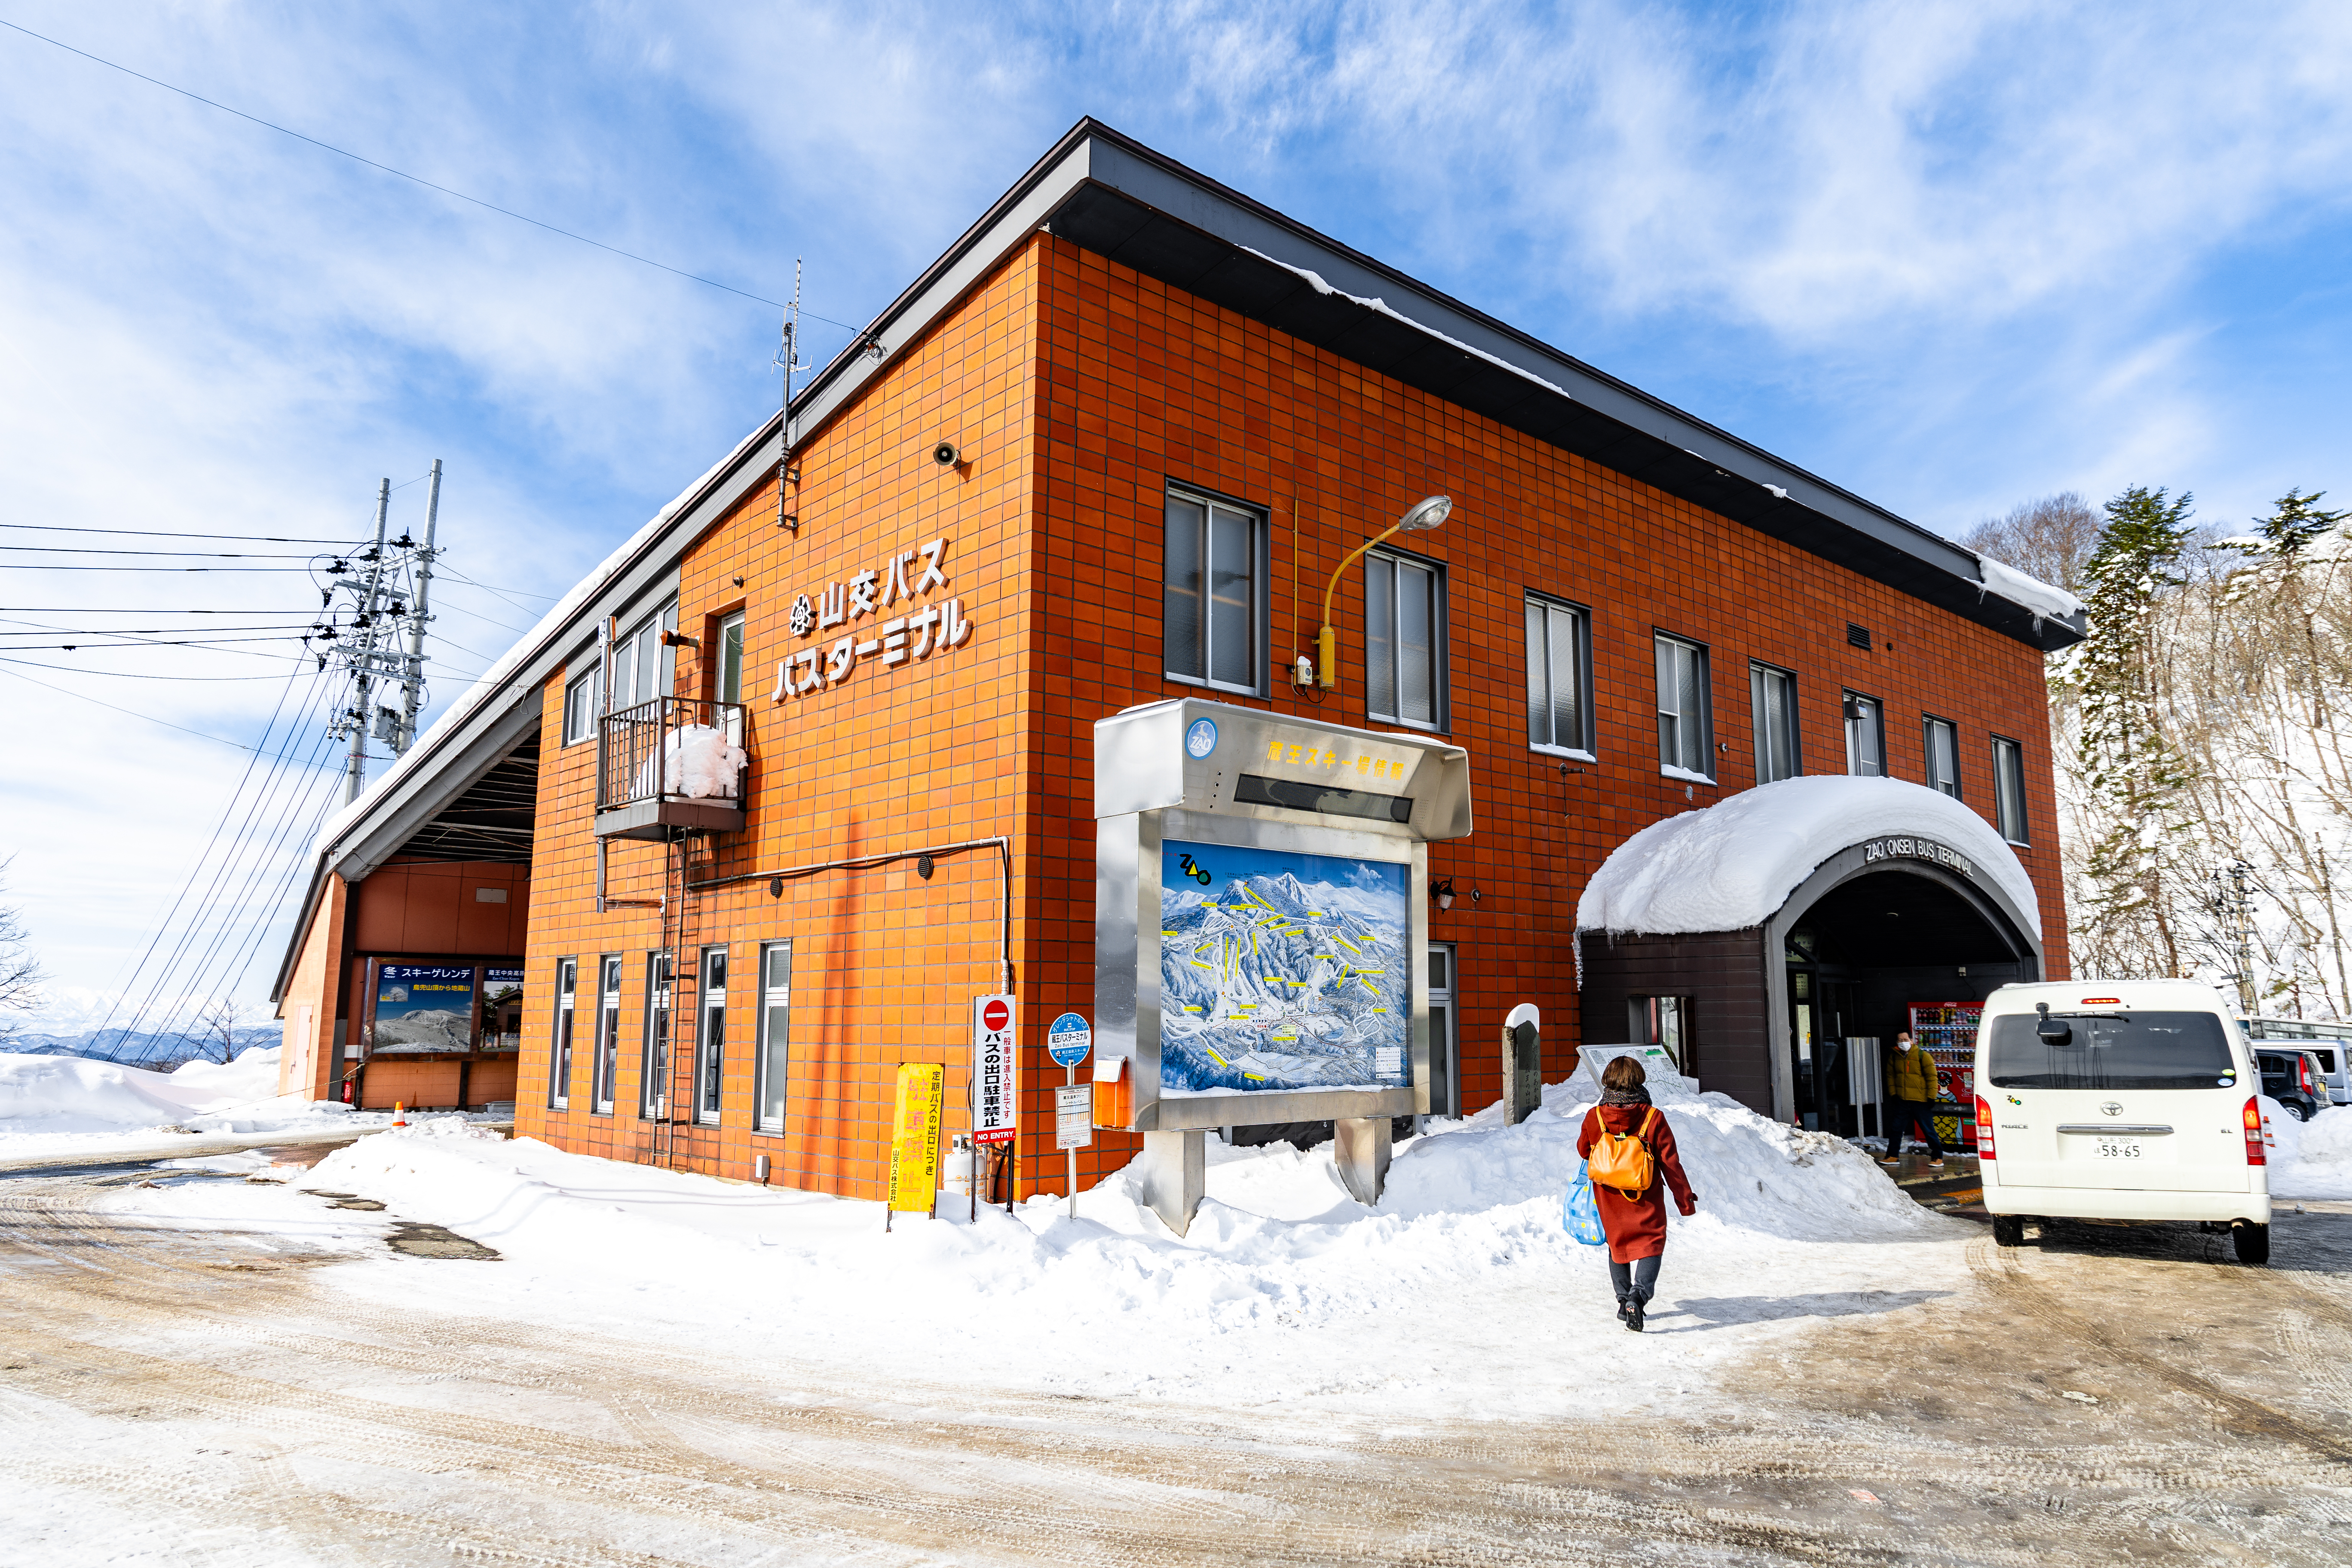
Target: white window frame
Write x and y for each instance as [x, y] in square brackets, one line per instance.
[1548, 622]
[647, 660]
[581, 709]
[605, 1071]
[1768, 683]
[1446, 1044]
[1194, 666]
[1394, 564]
[729, 684]
[775, 1057]
[1870, 727]
[1929, 725]
[2009, 789]
[711, 1036]
[1686, 743]
[654, 1059]
[560, 1043]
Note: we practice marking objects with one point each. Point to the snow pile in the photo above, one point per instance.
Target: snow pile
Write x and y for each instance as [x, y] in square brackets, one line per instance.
[2308, 1160]
[71, 1105]
[2046, 602]
[701, 764]
[1277, 1241]
[1732, 865]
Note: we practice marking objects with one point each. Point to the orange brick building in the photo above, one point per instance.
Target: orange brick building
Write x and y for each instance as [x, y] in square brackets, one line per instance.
[1109, 449]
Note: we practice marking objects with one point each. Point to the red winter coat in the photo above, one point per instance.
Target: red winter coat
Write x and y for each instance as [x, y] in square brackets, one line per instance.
[1637, 1227]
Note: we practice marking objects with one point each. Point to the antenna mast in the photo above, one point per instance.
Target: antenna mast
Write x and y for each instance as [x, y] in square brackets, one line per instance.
[412, 678]
[788, 361]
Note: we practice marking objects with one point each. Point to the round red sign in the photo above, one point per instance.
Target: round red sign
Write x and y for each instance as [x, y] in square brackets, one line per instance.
[996, 1014]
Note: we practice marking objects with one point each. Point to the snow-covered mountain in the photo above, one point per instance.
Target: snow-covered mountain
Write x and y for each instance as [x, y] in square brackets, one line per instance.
[1277, 983]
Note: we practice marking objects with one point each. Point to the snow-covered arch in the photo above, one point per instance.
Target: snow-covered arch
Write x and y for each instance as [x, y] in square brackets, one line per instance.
[1732, 865]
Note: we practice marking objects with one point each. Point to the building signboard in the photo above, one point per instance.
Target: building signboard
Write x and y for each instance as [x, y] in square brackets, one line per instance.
[895, 631]
[1925, 849]
[422, 1007]
[995, 1097]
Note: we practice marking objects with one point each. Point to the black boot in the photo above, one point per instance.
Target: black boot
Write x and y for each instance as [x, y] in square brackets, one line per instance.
[1624, 1307]
[1632, 1316]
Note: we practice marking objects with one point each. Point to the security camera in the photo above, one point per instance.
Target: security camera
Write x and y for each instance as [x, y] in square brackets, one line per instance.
[946, 455]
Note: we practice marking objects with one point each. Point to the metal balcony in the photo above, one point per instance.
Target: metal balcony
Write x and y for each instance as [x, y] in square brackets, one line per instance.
[669, 766]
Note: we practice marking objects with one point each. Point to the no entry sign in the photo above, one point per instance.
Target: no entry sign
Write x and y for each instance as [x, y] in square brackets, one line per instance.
[995, 1108]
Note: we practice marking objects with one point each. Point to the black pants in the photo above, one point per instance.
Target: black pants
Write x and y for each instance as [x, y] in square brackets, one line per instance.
[1901, 1114]
[1635, 1281]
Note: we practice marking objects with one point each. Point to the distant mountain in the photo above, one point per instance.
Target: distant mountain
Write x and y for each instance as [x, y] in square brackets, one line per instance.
[139, 1049]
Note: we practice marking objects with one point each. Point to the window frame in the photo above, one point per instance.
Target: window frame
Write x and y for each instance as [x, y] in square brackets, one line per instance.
[1440, 648]
[1445, 1050]
[1659, 639]
[2002, 782]
[645, 645]
[1876, 720]
[581, 709]
[604, 1070]
[1760, 675]
[1260, 617]
[772, 1058]
[727, 675]
[1579, 616]
[1928, 724]
[560, 1041]
[660, 1027]
[709, 1036]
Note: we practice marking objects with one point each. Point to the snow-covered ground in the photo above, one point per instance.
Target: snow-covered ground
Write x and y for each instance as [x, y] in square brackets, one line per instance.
[73, 1107]
[2309, 1159]
[1284, 1289]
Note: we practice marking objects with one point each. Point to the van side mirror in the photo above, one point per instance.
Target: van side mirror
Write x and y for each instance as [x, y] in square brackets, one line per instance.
[2053, 1031]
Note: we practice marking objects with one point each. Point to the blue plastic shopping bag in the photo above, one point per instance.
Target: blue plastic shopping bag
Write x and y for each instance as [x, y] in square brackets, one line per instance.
[1578, 1214]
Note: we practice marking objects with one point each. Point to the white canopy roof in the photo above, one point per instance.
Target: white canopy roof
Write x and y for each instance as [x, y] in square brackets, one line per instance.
[1732, 865]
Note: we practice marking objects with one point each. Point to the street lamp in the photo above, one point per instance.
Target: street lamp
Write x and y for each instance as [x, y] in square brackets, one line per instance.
[1428, 514]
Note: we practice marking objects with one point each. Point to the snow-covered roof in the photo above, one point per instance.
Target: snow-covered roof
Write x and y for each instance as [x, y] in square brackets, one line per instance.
[2045, 601]
[1732, 865]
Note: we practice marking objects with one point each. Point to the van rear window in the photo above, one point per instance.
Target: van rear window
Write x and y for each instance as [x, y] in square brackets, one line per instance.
[2112, 1050]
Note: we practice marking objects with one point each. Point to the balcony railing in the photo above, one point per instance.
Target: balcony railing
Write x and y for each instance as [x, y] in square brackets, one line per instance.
[668, 764]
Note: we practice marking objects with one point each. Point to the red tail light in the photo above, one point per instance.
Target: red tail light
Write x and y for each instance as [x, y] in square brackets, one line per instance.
[2303, 1073]
[2254, 1155]
[1984, 1129]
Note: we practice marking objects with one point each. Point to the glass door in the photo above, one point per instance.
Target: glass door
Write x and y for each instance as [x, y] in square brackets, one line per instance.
[1444, 1047]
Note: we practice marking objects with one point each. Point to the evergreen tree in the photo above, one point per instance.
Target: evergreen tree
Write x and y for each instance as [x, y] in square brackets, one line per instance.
[2298, 522]
[2131, 769]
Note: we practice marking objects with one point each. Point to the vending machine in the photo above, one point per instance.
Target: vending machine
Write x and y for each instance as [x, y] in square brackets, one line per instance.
[1947, 1031]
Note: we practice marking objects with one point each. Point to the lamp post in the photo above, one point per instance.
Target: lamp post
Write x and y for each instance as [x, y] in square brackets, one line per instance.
[1428, 514]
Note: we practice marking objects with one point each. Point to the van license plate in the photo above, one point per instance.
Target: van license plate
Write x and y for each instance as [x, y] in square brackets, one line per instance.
[2119, 1148]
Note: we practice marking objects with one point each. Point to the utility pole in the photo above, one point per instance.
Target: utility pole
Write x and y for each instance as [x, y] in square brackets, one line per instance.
[364, 661]
[2241, 904]
[412, 678]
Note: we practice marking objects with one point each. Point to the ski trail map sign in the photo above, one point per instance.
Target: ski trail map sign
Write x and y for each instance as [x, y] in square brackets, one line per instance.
[1282, 971]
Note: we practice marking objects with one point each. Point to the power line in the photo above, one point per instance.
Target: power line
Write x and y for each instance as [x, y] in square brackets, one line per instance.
[171, 533]
[47, 566]
[417, 179]
[116, 610]
[94, 702]
[189, 554]
[132, 674]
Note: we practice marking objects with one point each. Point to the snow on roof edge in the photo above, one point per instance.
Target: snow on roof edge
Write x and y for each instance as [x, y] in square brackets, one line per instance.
[2043, 601]
[548, 628]
[1732, 865]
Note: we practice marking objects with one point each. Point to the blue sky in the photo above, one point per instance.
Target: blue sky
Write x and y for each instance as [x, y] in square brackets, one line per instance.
[1951, 256]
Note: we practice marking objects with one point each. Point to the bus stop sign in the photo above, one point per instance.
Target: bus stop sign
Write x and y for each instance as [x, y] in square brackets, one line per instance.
[1068, 1040]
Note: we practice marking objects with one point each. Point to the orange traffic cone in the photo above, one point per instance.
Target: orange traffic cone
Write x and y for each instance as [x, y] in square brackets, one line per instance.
[399, 1114]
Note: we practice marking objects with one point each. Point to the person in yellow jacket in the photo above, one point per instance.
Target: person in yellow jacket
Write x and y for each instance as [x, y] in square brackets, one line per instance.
[1911, 1097]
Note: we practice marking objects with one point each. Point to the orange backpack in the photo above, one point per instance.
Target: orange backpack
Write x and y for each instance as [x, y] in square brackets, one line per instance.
[1623, 1159]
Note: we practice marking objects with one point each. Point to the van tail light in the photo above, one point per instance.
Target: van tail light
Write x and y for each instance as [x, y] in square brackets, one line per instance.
[2303, 1073]
[2254, 1155]
[1984, 1129]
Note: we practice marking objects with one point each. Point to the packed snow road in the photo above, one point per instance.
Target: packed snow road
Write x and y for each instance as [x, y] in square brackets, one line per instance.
[221, 1371]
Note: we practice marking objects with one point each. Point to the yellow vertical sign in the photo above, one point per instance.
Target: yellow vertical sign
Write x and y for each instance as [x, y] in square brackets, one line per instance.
[915, 1137]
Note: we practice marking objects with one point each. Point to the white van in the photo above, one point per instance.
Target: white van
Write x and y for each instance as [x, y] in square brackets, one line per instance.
[2120, 1099]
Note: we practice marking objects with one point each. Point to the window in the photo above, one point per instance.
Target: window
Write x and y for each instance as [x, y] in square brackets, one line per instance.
[2109, 1051]
[1444, 1047]
[1773, 693]
[643, 666]
[2009, 788]
[1686, 721]
[580, 707]
[1666, 1021]
[730, 659]
[1944, 756]
[710, 1039]
[1404, 641]
[652, 1085]
[775, 1033]
[558, 1076]
[1214, 607]
[1559, 699]
[1865, 738]
[608, 1031]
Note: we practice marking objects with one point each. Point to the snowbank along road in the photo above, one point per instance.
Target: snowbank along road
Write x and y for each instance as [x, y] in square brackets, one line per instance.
[218, 1370]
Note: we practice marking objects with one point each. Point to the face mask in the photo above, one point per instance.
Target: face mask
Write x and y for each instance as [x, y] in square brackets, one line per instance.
[1902, 1044]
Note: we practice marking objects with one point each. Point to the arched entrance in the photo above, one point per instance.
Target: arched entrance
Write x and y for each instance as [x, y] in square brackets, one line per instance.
[1787, 932]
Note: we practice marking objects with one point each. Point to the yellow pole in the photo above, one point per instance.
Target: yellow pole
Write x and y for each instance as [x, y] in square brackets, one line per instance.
[1327, 641]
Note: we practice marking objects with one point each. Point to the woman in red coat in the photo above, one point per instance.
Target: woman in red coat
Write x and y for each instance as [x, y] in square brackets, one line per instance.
[1636, 1226]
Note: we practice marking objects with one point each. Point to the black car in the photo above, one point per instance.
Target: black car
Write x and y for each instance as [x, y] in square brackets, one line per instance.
[2287, 1078]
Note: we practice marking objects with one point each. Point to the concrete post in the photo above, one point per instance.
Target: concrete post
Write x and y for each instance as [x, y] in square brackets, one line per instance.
[1360, 1147]
[1175, 1176]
